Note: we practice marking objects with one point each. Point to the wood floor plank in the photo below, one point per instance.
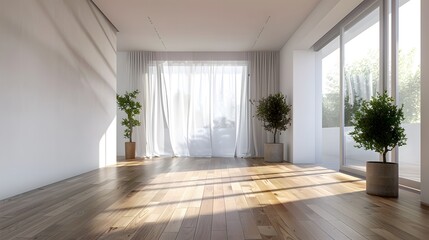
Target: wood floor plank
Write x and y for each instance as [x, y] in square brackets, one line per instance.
[176, 220]
[186, 234]
[211, 198]
[204, 225]
[219, 235]
[191, 217]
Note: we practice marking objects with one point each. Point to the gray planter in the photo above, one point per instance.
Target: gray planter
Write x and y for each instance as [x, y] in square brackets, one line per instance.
[273, 152]
[382, 179]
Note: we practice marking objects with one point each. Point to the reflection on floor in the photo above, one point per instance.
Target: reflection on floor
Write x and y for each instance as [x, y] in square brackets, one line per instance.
[407, 170]
[211, 198]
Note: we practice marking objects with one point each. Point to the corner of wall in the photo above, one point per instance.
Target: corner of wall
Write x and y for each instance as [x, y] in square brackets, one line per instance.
[304, 99]
[325, 16]
[58, 84]
[286, 87]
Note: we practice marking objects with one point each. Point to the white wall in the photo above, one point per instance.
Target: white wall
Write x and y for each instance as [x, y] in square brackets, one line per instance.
[425, 102]
[57, 92]
[304, 107]
[325, 16]
[123, 85]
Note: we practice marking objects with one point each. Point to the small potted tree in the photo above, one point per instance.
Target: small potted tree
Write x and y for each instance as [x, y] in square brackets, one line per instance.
[132, 108]
[274, 112]
[377, 127]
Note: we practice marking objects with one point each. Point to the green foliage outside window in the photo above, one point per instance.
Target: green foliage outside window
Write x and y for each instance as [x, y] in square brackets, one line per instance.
[409, 89]
[331, 110]
[409, 86]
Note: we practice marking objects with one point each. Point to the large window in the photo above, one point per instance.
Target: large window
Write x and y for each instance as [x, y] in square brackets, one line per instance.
[356, 63]
[203, 102]
[199, 108]
[361, 78]
[409, 86]
[329, 58]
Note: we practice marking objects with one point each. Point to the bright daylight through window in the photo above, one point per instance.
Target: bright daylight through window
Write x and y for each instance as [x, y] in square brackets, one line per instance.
[202, 105]
[409, 86]
[361, 80]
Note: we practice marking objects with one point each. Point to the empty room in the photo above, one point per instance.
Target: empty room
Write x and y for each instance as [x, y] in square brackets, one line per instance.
[214, 119]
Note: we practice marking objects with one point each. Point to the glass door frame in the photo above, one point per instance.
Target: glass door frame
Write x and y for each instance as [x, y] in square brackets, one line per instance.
[386, 8]
[376, 4]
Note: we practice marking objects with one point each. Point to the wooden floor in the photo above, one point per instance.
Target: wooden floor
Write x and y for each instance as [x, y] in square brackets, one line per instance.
[211, 198]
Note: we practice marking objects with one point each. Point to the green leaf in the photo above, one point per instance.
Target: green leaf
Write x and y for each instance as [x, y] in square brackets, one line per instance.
[377, 125]
[274, 113]
[129, 104]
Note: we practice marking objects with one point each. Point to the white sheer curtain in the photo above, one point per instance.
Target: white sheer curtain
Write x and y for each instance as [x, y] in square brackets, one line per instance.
[264, 71]
[197, 104]
[192, 107]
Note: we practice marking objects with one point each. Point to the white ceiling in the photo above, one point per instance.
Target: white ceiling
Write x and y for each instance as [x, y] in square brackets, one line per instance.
[205, 25]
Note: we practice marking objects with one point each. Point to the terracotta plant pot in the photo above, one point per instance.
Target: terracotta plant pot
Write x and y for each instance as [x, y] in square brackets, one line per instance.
[130, 150]
[273, 152]
[382, 179]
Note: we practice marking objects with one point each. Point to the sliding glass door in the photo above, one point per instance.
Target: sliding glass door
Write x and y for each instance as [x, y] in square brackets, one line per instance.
[409, 86]
[361, 79]
[329, 70]
[360, 58]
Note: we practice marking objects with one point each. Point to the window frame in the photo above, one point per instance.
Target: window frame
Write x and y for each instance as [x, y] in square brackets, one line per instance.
[389, 24]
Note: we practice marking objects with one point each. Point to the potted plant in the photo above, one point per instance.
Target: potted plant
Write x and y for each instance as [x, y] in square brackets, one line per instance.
[132, 108]
[377, 127]
[275, 115]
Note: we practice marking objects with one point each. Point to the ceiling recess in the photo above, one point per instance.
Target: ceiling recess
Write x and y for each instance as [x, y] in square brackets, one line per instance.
[195, 25]
[157, 32]
[260, 32]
